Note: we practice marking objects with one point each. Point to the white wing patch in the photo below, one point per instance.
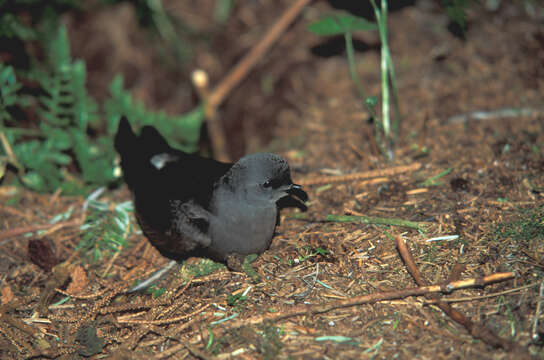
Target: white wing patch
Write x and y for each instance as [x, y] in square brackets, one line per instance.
[160, 160]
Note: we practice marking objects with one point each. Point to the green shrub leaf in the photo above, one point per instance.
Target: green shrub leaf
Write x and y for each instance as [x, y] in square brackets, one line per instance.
[337, 24]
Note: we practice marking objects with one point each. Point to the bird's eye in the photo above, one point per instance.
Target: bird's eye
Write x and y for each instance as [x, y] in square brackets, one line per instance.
[267, 184]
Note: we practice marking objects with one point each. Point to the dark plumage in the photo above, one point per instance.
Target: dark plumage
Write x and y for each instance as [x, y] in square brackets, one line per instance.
[188, 205]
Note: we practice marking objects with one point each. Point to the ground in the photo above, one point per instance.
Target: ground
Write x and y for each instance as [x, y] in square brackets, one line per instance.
[300, 102]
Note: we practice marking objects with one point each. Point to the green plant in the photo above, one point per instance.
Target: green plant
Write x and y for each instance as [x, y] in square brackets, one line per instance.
[237, 300]
[433, 180]
[345, 24]
[270, 343]
[90, 343]
[155, 291]
[66, 111]
[203, 267]
[457, 11]
[527, 228]
[307, 252]
[390, 131]
[19, 28]
[182, 131]
[106, 228]
[74, 133]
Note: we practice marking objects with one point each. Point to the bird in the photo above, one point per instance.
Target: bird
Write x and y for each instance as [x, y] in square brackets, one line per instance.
[191, 206]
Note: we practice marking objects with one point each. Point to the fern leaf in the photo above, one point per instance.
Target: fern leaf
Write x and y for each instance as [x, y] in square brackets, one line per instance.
[8, 91]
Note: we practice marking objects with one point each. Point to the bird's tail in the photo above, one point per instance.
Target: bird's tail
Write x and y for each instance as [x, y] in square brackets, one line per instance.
[126, 144]
[137, 152]
[125, 139]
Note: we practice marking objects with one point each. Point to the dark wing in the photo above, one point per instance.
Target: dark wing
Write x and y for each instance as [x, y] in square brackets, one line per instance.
[149, 164]
[172, 189]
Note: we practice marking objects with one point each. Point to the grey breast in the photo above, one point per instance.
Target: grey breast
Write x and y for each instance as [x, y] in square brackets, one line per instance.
[241, 228]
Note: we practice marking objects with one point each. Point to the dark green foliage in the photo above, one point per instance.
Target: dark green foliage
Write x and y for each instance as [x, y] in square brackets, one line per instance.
[17, 28]
[338, 24]
[223, 10]
[307, 252]
[456, 10]
[371, 101]
[91, 344]
[155, 291]
[528, 228]
[66, 111]
[203, 267]
[248, 269]
[106, 228]
[182, 132]
[8, 91]
[11, 27]
[270, 344]
[46, 157]
[236, 300]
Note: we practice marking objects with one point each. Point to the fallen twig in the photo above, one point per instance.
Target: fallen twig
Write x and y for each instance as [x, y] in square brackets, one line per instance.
[319, 180]
[163, 321]
[495, 114]
[372, 298]
[240, 71]
[9, 151]
[183, 344]
[472, 298]
[32, 228]
[476, 330]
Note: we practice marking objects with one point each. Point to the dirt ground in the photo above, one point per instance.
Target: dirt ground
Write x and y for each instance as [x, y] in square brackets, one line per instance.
[300, 102]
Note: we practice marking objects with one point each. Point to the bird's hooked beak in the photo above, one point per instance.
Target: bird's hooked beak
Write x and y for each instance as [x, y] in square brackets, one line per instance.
[296, 190]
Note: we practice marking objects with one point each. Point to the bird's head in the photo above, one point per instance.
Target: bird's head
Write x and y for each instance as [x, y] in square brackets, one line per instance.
[263, 177]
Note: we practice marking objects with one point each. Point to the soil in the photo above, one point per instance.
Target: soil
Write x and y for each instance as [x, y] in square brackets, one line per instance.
[301, 103]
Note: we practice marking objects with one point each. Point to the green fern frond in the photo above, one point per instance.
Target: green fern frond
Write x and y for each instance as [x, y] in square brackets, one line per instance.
[67, 110]
[8, 91]
[62, 142]
[66, 102]
[183, 131]
[11, 27]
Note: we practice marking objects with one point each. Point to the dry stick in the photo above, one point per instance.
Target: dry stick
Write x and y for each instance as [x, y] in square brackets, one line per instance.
[534, 333]
[13, 211]
[164, 321]
[360, 175]
[476, 330]
[241, 70]
[31, 228]
[372, 298]
[472, 298]
[199, 354]
[9, 151]
[495, 114]
[183, 344]
[456, 272]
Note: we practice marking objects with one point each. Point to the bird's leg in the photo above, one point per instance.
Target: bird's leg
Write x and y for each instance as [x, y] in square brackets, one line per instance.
[242, 263]
[234, 262]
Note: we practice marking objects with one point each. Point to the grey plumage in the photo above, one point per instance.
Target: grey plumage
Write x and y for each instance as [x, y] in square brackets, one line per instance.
[192, 206]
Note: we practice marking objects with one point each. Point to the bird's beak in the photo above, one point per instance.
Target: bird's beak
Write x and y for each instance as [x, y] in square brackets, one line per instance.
[296, 190]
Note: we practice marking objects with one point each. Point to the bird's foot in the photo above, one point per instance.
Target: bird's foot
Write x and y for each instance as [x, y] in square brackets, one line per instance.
[241, 263]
